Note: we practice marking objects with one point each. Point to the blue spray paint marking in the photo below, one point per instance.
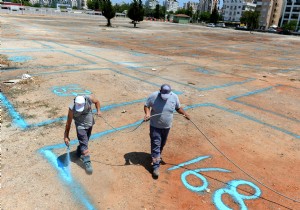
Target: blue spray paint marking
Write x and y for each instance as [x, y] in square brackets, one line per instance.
[246, 117]
[204, 71]
[234, 98]
[231, 189]
[20, 122]
[20, 58]
[76, 189]
[70, 90]
[188, 162]
[16, 117]
[50, 50]
[196, 173]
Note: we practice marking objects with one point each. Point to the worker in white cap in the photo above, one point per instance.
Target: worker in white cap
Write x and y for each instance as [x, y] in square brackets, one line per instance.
[81, 111]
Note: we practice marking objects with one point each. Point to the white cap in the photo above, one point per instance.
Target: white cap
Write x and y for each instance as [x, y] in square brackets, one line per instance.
[79, 103]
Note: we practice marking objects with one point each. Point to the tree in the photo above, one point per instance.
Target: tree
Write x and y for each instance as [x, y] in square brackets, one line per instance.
[121, 7]
[156, 12]
[290, 26]
[214, 17]
[93, 4]
[250, 18]
[136, 12]
[205, 16]
[108, 11]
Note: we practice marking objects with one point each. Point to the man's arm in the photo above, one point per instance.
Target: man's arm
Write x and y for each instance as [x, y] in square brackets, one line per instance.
[68, 126]
[97, 104]
[181, 111]
[147, 113]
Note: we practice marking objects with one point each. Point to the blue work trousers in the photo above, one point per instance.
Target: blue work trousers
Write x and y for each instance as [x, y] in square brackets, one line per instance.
[158, 138]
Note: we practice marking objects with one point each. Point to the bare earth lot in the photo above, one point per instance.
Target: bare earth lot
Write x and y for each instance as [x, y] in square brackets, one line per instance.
[242, 91]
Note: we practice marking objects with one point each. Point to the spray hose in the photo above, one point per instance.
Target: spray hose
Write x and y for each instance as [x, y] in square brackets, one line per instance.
[278, 193]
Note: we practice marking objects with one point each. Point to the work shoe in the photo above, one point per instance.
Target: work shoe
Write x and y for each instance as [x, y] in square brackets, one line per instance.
[87, 164]
[155, 172]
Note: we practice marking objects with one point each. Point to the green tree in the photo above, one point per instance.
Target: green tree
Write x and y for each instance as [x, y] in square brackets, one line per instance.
[93, 4]
[162, 12]
[136, 12]
[250, 18]
[205, 16]
[290, 26]
[214, 17]
[108, 11]
[121, 7]
[156, 11]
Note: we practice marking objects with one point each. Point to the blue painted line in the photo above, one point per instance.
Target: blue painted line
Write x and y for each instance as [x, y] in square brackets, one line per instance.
[197, 88]
[266, 110]
[66, 177]
[246, 117]
[46, 45]
[204, 71]
[188, 162]
[76, 189]
[234, 98]
[251, 93]
[19, 121]
[20, 58]
[16, 117]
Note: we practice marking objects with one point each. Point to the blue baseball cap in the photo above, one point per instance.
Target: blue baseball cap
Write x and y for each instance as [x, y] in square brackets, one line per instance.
[165, 91]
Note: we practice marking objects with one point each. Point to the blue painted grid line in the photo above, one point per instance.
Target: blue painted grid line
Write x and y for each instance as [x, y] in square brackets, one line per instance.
[246, 117]
[66, 178]
[50, 50]
[235, 99]
[200, 89]
[16, 117]
[19, 121]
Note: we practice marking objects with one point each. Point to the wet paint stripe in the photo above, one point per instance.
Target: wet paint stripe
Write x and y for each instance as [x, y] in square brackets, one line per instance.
[16, 117]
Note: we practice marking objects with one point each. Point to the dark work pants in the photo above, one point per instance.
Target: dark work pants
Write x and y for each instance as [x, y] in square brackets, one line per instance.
[158, 138]
[83, 136]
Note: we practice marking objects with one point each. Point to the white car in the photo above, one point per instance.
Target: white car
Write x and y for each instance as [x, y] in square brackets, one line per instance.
[210, 25]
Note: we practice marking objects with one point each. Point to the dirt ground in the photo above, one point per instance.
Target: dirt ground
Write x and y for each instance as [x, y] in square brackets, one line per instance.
[241, 90]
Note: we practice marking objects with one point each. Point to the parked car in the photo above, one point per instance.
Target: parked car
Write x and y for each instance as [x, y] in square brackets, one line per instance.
[272, 30]
[222, 25]
[241, 28]
[210, 25]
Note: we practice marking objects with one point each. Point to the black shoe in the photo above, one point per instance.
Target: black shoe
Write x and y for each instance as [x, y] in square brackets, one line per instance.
[155, 172]
[162, 162]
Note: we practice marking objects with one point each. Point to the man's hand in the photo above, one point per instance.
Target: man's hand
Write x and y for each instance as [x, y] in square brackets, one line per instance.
[67, 141]
[187, 116]
[147, 117]
[99, 114]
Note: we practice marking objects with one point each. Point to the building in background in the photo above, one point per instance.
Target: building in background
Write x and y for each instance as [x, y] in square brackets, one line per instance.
[189, 4]
[233, 9]
[270, 13]
[151, 3]
[205, 5]
[171, 5]
[291, 11]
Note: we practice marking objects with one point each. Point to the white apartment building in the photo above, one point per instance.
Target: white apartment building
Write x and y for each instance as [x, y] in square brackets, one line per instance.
[291, 11]
[171, 5]
[233, 9]
[189, 4]
[206, 5]
[151, 3]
